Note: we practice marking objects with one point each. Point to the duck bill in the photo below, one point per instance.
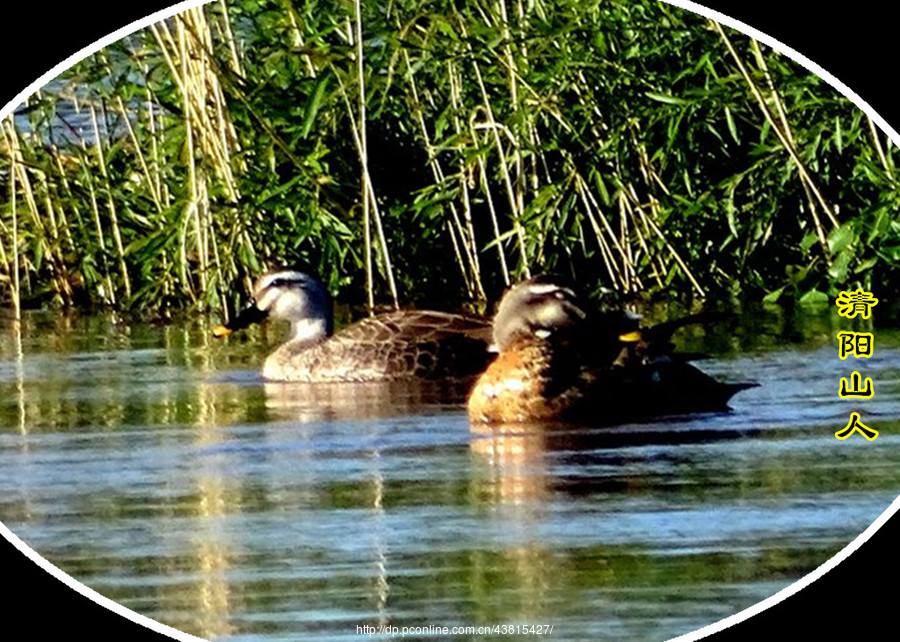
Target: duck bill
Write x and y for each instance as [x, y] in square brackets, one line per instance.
[248, 316]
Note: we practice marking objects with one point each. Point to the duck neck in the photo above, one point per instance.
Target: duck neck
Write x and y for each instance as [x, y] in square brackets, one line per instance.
[310, 331]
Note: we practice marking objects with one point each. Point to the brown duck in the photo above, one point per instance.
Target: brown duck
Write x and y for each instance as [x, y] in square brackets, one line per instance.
[558, 362]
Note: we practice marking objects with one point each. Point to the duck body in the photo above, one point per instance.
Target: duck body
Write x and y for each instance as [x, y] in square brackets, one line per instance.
[395, 346]
[573, 366]
[531, 380]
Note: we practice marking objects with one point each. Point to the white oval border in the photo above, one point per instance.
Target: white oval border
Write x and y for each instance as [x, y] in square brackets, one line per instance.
[705, 631]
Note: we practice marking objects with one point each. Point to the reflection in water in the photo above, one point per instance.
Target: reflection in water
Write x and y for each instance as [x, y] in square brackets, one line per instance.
[154, 465]
[516, 458]
[19, 374]
[305, 402]
[214, 601]
[518, 454]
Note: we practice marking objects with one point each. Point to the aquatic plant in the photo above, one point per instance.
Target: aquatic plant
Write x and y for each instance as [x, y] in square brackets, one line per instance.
[433, 151]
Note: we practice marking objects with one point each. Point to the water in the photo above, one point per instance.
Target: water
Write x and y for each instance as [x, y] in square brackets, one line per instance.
[152, 464]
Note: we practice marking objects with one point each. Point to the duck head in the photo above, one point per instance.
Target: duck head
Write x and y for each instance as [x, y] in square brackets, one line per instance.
[537, 306]
[291, 295]
[542, 307]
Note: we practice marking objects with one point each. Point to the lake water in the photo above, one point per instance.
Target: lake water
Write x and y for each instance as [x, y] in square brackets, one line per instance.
[152, 464]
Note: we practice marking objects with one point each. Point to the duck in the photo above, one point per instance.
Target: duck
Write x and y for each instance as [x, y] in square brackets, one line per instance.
[559, 360]
[402, 345]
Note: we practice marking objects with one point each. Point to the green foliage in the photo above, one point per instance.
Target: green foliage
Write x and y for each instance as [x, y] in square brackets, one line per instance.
[632, 145]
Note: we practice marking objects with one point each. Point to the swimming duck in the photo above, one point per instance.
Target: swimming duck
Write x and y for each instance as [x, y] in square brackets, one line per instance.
[394, 346]
[558, 361]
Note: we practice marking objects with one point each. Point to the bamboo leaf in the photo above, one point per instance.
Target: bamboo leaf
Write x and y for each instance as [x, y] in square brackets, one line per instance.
[666, 98]
[312, 107]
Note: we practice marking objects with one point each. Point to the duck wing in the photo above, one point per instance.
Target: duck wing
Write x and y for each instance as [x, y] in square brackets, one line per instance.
[396, 346]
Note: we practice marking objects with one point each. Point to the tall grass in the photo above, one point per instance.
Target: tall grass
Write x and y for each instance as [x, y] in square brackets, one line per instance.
[431, 152]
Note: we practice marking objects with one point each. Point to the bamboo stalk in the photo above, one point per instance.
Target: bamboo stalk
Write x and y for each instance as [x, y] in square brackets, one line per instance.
[199, 89]
[107, 293]
[453, 225]
[614, 271]
[625, 209]
[649, 220]
[20, 168]
[154, 174]
[191, 210]
[58, 233]
[462, 237]
[64, 182]
[368, 196]
[111, 206]
[514, 202]
[4, 257]
[210, 135]
[471, 244]
[15, 285]
[623, 242]
[627, 266]
[785, 124]
[236, 65]
[783, 134]
[514, 98]
[489, 199]
[151, 185]
[879, 150]
[360, 136]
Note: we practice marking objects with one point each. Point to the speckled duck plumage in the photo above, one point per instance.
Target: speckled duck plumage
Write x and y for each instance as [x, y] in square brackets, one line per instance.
[394, 346]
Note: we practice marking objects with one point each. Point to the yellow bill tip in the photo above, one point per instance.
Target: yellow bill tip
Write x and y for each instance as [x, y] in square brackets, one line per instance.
[630, 337]
[220, 331]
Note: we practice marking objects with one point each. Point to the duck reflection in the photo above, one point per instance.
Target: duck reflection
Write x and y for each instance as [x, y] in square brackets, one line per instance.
[308, 402]
[530, 462]
[517, 464]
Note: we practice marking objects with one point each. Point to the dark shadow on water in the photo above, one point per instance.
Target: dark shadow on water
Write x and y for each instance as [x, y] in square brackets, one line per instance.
[671, 430]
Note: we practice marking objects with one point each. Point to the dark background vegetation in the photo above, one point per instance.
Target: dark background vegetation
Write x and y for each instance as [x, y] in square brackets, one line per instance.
[636, 147]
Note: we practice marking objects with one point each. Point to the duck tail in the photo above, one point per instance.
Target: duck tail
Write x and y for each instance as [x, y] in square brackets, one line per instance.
[731, 389]
[737, 387]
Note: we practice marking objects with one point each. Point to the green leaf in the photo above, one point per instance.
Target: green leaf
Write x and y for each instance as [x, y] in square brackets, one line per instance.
[838, 137]
[882, 218]
[813, 297]
[773, 296]
[840, 238]
[666, 98]
[808, 241]
[731, 126]
[839, 267]
[312, 107]
[865, 265]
